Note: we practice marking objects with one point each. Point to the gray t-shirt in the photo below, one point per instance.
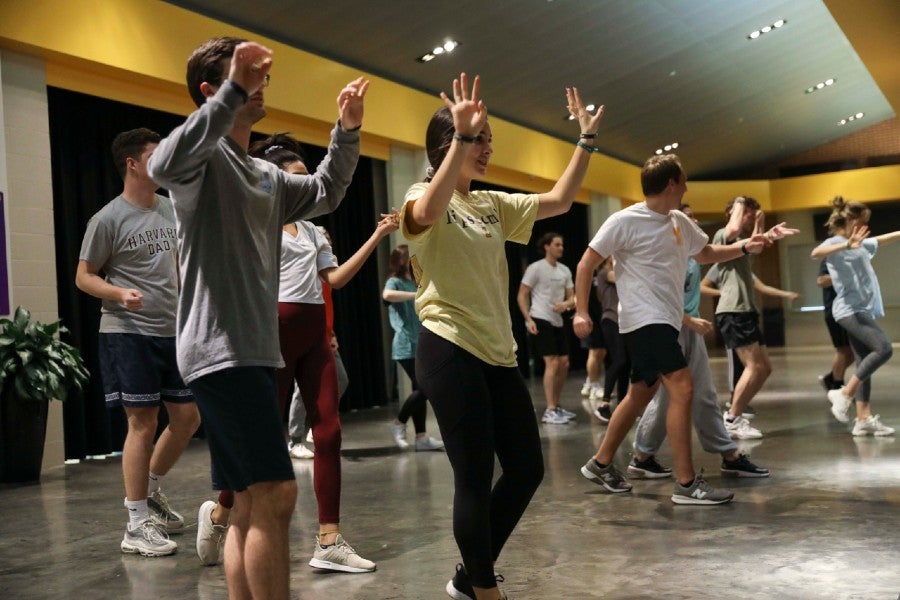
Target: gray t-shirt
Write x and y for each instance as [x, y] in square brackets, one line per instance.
[135, 248]
[230, 209]
[735, 281]
[609, 296]
[548, 285]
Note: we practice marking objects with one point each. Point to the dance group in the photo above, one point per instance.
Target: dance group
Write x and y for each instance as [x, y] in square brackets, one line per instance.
[216, 302]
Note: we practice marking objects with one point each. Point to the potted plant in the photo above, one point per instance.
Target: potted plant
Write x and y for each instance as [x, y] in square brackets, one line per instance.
[35, 367]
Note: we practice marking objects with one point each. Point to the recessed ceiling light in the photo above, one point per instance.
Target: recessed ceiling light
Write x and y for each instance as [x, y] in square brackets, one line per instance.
[590, 107]
[822, 84]
[667, 148]
[851, 118]
[776, 25]
[447, 47]
[659, 150]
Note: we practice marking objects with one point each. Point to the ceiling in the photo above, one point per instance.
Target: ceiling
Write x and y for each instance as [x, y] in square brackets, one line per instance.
[667, 70]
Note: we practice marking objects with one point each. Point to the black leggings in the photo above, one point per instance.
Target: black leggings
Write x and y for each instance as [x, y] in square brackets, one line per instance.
[482, 410]
[618, 371]
[414, 405]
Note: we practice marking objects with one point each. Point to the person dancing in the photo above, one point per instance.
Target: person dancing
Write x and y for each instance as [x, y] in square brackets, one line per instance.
[848, 254]
[466, 356]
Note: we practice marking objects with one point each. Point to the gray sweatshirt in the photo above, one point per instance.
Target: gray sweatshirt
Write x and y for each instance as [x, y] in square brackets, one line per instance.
[229, 211]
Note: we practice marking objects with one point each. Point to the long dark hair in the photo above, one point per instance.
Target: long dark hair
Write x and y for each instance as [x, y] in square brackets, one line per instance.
[438, 138]
[398, 263]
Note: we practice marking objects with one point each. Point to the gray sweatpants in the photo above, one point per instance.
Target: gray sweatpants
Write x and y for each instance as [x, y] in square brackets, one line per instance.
[705, 411]
[871, 348]
[297, 411]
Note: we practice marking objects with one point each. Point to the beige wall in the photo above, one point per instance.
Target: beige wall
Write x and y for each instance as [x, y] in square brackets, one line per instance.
[25, 179]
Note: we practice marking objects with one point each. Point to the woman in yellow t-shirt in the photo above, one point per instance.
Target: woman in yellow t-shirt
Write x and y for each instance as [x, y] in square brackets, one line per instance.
[466, 355]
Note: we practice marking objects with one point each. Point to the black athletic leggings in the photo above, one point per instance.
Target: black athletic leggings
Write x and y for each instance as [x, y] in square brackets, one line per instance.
[619, 369]
[415, 404]
[482, 410]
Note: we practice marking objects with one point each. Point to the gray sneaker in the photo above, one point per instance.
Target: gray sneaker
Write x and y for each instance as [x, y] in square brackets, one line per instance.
[210, 537]
[700, 492]
[608, 477]
[162, 514]
[340, 556]
[149, 539]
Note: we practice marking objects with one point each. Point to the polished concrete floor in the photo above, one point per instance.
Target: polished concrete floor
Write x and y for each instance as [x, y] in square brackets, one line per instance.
[825, 525]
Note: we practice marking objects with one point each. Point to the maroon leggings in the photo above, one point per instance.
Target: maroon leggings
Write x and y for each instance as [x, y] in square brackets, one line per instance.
[309, 361]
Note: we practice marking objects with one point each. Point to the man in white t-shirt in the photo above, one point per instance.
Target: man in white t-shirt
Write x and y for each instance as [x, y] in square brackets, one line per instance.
[545, 293]
[652, 242]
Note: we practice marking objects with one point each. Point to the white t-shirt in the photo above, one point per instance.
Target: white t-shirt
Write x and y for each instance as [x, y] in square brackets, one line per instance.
[652, 252]
[548, 285]
[302, 258]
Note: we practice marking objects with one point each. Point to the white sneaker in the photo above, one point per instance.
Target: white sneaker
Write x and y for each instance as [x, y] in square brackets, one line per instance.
[871, 426]
[301, 452]
[162, 514]
[309, 437]
[596, 394]
[210, 537]
[566, 413]
[340, 556]
[398, 431]
[740, 429]
[840, 405]
[427, 443]
[553, 417]
[149, 539]
[586, 388]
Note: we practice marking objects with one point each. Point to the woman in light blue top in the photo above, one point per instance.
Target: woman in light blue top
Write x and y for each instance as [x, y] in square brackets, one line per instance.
[399, 295]
[848, 255]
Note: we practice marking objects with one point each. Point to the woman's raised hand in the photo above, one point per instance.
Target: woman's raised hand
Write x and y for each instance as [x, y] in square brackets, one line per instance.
[469, 112]
[589, 123]
[859, 233]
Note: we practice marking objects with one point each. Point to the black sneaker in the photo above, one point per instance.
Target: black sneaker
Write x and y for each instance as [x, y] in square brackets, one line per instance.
[647, 469]
[742, 467]
[460, 588]
[603, 412]
[827, 381]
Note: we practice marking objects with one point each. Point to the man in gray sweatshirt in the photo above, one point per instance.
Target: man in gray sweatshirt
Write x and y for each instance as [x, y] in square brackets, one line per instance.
[229, 211]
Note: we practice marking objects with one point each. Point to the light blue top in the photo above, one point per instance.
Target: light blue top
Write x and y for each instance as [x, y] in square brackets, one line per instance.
[404, 320]
[692, 289]
[854, 279]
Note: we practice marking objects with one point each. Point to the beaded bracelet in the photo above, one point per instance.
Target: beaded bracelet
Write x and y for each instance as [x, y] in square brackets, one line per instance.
[590, 149]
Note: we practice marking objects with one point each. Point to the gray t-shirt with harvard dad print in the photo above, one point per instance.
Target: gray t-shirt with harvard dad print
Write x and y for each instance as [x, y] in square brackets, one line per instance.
[135, 248]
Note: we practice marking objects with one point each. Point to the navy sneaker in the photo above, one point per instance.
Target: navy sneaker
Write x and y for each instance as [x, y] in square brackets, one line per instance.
[647, 469]
[742, 467]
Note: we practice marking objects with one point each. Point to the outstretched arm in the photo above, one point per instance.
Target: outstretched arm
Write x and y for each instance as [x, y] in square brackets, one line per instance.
[713, 253]
[469, 116]
[394, 296]
[708, 289]
[888, 238]
[559, 200]
[768, 290]
[338, 277]
[859, 233]
[589, 262]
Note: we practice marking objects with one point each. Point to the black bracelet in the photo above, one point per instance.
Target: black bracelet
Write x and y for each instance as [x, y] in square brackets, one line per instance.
[590, 149]
[468, 139]
[588, 136]
[744, 248]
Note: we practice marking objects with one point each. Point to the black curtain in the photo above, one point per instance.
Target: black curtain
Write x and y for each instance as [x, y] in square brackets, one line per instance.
[573, 226]
[82, 128]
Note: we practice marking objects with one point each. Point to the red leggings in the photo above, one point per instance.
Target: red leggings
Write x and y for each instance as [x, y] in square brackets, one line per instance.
[309, 361]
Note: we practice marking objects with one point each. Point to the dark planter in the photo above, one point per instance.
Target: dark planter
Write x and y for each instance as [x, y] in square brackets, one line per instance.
[23, 427]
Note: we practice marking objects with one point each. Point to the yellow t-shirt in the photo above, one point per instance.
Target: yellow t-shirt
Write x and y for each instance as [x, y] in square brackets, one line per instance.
[459, 264]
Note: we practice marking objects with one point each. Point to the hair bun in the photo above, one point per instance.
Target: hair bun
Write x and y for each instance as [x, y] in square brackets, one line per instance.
[838, 202]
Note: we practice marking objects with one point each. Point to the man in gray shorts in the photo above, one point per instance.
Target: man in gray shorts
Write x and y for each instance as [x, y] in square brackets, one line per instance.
[131, 241]
[230, 209]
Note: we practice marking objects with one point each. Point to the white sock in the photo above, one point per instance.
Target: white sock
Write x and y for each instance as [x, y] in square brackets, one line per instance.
[137, 512]
[154, 482]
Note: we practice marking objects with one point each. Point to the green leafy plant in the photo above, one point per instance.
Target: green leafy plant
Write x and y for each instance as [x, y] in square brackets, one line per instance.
[35, 365]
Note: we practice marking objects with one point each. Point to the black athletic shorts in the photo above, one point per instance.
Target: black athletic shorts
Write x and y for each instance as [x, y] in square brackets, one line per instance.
[839, 338]
[550, 339]
[740, 329]
[239, 407]
[654, 351]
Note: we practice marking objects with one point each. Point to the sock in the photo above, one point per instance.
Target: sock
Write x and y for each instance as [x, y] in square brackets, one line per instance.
[600, 464]
[137, 512]
[226, 499]
[731, 418]
[154, 482]
[686, 485]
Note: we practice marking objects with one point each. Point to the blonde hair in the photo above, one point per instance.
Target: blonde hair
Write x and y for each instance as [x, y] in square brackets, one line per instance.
[843, 211]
